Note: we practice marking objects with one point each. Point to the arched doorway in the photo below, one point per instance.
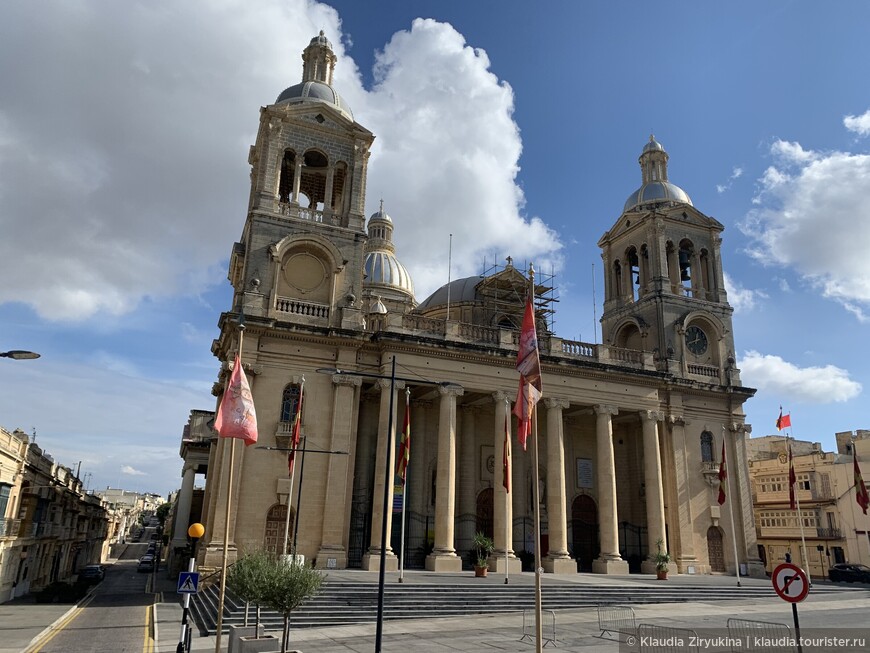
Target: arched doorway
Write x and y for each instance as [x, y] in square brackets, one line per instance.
[276, 522]
[584, 530]
[715, 550]
[483, 523]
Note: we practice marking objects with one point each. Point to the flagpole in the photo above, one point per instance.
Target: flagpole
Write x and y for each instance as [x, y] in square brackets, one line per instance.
[293, 445]
[404, 501]
[507, 496]
[731, 513]
[220, 615]
[800, 518]
[537, 498]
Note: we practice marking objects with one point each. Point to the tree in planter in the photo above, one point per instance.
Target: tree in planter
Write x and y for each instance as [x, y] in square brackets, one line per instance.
[661, 559]
[249, 578]
[483, 547]
[288, 586]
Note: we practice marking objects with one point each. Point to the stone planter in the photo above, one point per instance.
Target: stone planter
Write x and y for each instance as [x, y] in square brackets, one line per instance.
[237, 632]
[265, 644]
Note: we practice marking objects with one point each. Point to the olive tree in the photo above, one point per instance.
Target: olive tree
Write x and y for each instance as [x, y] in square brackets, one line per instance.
[290, 584]
[249, 579]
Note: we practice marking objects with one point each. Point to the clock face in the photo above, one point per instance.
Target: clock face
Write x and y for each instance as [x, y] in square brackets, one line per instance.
[696, 340]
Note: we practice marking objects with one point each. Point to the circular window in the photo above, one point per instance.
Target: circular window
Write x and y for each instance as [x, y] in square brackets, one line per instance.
[304, 272]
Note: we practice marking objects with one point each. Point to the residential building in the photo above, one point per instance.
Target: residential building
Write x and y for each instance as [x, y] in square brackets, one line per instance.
[829, 522]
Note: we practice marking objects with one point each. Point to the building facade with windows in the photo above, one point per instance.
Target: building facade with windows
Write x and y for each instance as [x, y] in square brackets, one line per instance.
[830, 521]
[630, 430]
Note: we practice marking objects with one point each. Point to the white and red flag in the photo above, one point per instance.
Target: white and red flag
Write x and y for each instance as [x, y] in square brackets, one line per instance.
[295, 434]
[506, 457]
[529, 367]
[236, 417]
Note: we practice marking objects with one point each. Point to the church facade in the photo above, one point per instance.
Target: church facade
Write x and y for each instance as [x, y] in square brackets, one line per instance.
[630, 431]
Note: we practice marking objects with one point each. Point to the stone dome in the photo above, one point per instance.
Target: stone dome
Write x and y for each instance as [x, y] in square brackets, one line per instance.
[315, 91]
[383, 269]
[460, 290]
[657, 191]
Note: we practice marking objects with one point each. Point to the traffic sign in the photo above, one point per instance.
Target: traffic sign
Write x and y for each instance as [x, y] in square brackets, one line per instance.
[188, 582]
[790, 582]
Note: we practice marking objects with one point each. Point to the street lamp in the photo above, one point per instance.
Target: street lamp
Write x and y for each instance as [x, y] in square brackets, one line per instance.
[387, 472]
[195, 532]
[19, 354]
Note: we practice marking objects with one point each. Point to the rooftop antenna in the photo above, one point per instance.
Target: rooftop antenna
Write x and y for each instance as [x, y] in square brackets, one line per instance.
[449, 260]
[594, 310]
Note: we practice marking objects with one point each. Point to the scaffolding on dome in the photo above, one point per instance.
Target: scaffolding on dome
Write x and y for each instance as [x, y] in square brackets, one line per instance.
[501, 294]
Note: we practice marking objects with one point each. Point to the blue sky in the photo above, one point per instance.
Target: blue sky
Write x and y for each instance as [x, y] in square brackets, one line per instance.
[124, 131]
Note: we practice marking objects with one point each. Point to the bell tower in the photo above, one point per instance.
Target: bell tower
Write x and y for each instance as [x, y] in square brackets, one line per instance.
[664, 290]
[300, 257]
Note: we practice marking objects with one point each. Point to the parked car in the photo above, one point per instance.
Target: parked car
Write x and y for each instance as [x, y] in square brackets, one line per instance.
[850, 573]
[92, 573]
[146, 563]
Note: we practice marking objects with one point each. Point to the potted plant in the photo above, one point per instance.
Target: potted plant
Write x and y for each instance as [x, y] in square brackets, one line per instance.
[661, 559]
[483, 547]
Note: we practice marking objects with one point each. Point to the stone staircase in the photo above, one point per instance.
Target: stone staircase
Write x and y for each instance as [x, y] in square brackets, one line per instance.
[343, 603]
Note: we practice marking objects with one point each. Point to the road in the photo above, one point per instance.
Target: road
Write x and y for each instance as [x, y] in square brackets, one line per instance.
[115, 619]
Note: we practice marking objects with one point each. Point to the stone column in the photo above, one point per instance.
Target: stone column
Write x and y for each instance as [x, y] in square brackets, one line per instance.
[443, 557]
[386, 451]
[182, 514]
[557, 561]
[297, 181]
[744, 517]
[467, 496]
[655, 498]
[327, 194]
[609, 561]
[502, 510]
[681, 533]
[339, 479]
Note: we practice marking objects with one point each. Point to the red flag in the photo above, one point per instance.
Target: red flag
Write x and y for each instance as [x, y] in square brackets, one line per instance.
[723, 476]
[783, 421]
[236, 417]
[296, 431]
[506, 457]
[860, 489]
[405, 446]
[792, 479]
[529, 367]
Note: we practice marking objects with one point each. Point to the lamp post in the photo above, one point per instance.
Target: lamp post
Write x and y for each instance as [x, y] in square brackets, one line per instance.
[387, 473]
[19, 354]
[195, 532]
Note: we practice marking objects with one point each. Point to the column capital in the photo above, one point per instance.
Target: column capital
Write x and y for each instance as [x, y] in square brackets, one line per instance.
[188, 467]
[450, 391]
[384, 384]
[556, 402]
[345, 379]
[602, 409]
[676, 420]
[651, 415]
[500, 395]
[737, 427]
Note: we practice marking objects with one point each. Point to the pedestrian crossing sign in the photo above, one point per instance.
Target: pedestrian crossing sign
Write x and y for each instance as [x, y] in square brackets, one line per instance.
[188, 582]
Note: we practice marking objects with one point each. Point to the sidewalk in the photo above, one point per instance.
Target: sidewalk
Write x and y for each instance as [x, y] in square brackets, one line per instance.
[23, 621]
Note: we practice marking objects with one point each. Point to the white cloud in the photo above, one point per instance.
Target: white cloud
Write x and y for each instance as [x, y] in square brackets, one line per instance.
[812, 385]
[742, 299]
[139, 186]
[130, 471]
[736, 173]
[808, 218]
[446, 157]
[858, 124]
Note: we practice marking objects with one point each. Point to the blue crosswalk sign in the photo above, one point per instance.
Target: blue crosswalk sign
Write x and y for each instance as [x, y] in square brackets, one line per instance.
[188, 582]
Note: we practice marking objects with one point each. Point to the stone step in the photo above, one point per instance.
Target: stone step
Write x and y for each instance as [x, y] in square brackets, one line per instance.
[347, 603]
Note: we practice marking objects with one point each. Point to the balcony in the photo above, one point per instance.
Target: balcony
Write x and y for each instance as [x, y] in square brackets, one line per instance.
[320, 312]
[829, 533]
[9, 527]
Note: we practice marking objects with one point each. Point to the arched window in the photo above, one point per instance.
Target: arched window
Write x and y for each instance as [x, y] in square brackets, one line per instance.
[707, 447]
[289, 402]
